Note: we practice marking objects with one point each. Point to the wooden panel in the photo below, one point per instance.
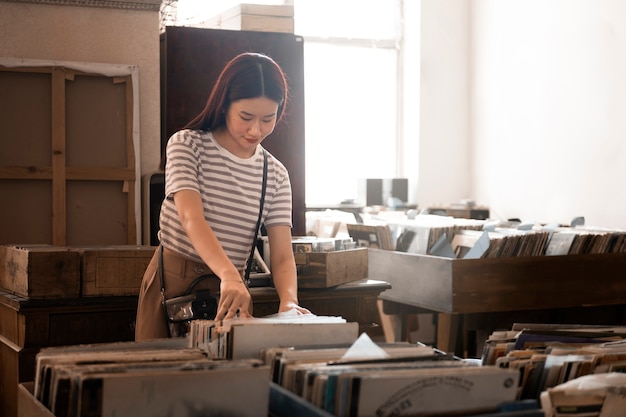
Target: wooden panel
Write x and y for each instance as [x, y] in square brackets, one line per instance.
[98, 210]
[26, 326]
[27, 404]
[91, 325]
[27, 218]
[84, 132]
[10, 358]
[422, 281]
[96, 132]
[191, 60]
[25, 97]
[59, 208]
[58, 322]
[522, 283]
[25, 152]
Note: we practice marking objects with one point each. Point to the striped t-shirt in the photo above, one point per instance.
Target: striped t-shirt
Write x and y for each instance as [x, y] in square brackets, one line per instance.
[230, 188]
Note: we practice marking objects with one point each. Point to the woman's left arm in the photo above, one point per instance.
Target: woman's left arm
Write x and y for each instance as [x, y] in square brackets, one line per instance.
[283, 268]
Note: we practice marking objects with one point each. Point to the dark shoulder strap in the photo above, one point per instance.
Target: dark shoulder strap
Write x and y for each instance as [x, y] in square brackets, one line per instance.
[256, 232]
[258, 222]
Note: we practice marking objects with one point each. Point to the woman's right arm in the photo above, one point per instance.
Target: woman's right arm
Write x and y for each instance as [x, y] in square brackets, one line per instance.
[234, 295]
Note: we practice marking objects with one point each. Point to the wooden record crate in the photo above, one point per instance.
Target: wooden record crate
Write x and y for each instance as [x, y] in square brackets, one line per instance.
[465, 286]
[113, 270]
[329, 269]
[47, 272]
[40, 271]
[28, 405]
[27, 325]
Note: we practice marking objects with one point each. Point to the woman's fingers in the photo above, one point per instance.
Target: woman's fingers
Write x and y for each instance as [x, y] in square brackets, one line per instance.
[232, 302]
[303, 310]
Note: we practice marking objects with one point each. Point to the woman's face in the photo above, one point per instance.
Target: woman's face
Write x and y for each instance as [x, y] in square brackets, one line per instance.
[248, 122]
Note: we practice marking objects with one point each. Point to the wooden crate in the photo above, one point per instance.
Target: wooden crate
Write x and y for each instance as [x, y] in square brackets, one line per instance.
[17, 364]
[465, 286]
[114, 270]
[27, 404]
[40, 271]
[329, 269]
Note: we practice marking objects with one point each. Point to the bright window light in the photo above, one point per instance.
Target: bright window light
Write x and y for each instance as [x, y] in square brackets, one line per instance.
[352, 84]
[351, 94]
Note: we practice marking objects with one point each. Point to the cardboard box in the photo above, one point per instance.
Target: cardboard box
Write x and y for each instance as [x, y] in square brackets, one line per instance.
[40, 271]
[114, 270]
[254, 17]
[329, 269]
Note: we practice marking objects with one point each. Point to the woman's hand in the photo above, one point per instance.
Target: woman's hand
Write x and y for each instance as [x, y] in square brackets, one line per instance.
[290, 305]
[283, 266]
[234, 298]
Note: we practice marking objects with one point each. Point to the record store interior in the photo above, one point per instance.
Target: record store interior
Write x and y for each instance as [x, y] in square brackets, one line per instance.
[438, 183]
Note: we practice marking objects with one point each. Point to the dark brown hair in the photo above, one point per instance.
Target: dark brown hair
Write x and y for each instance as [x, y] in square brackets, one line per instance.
[248, 75]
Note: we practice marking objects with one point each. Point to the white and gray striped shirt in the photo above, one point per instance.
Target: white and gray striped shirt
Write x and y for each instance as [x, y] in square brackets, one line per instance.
[230, 188]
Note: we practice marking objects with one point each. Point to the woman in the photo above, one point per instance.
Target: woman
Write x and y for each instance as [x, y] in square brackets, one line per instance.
[213, 183]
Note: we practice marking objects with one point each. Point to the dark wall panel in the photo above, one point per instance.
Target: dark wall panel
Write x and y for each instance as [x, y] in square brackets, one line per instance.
[191, 59]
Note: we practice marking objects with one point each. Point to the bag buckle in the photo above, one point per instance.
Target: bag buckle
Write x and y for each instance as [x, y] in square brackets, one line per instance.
[204, 306]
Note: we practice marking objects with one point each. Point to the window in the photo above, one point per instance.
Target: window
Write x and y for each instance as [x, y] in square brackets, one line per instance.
[351, 54]
[352, 72]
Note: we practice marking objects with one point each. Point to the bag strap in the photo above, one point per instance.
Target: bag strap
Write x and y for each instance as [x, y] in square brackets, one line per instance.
[161, 272]
[250, 258]
[258, 222]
